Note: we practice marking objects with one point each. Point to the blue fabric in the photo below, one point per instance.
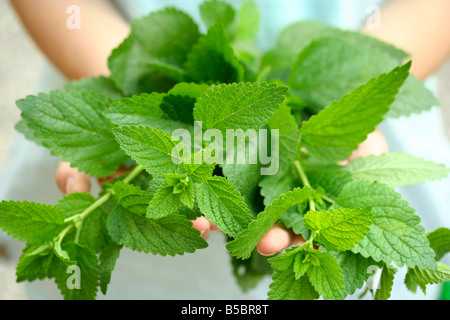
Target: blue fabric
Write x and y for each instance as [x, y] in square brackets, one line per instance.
[275, 15]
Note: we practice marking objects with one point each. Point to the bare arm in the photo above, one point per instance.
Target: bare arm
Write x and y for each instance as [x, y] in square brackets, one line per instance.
[421, 28]
[77, 53]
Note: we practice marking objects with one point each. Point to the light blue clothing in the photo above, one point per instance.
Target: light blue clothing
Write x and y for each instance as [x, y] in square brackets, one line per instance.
[207, 273]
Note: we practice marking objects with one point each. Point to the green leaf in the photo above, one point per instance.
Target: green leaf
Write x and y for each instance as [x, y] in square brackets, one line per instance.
[72, 126]
[273, 186]
[139, 65]
[386, 283]
[99, 85]
[133, 71]
[213, 60]
[423, 277]
[34, 266]
[198, 171]
[170, 235]
[131, 197]
[396, 234]
[293, 220]
[248, 21]
[74, 203]
[332, 178]
[314, 74]
[245, 178]
[293, 258]
[440, 242]
[108, 257]
[166, 201]
[31, 222]
[340, 229]
[86, 274]
[23, 128]
[154, 184]
[396, 169]
[246, 241]
[286, 287]
[326, 275]
[216, 12]
[413, 97]
[250, 272]
[355, 268]
[336, 131]
[288, 137]
[151, 148]
[138, 110]
[297, 36]
[192, 90]
[178, 108]
[223, 205]
[238, 105]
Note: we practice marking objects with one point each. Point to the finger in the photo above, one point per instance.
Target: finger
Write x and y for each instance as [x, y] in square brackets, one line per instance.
[276, 240]
[202, 225]
[70, 180]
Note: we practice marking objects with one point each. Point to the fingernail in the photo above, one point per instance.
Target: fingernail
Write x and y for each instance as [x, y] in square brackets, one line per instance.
[204, 234]
[70, 183]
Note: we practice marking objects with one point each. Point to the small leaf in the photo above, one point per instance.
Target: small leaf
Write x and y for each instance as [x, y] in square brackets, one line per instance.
[423, 277]
[340, 229]
[213, 60]
[286, 287]
[326, 276]
[440, 242]
[386, 283]
[222, 204]
[108, 257]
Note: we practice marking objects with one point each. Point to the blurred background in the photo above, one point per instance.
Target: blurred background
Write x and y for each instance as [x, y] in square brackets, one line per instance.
[21, 62]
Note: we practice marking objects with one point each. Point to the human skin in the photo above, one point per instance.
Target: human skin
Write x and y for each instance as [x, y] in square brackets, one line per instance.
[420, 27]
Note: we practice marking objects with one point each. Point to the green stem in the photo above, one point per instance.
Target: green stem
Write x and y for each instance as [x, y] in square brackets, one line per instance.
[133, 174]
[92, 207]
[301, 173]
[327, 199]
[305, 181]
[80, 217]
[62, 234]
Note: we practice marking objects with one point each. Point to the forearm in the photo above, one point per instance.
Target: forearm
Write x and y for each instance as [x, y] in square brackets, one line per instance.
[421, 28]
[77, 53]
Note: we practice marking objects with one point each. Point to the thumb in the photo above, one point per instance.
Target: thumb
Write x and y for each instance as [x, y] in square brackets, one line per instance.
[71, 180]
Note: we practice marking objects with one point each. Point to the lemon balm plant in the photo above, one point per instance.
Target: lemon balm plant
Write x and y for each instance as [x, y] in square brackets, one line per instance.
[321, 89]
